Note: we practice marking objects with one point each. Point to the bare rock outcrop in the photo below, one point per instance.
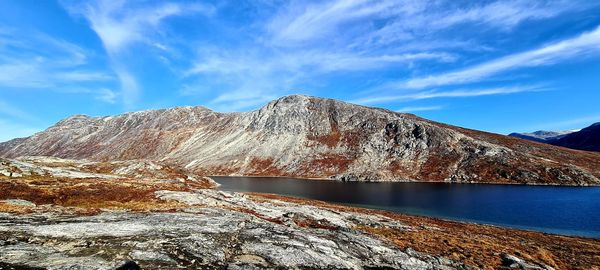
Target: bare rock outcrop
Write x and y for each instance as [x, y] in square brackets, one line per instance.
[304, 136]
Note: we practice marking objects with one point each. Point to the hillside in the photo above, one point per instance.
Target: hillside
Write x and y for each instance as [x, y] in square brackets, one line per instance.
[586, 139]
[311, 137]
[541, 135]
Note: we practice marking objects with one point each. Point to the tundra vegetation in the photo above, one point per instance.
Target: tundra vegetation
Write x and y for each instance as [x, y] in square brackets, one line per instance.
[57, 214]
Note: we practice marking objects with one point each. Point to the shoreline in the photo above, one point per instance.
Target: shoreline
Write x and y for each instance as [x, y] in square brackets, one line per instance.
[52, 210]
[474, 243]
[421, 215]
[424, 216]
[410, 181]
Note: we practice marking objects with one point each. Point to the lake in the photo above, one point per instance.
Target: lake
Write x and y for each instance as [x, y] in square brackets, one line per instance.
[552, 209]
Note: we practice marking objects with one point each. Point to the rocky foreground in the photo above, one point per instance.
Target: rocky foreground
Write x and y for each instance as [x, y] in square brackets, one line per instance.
[66, 214]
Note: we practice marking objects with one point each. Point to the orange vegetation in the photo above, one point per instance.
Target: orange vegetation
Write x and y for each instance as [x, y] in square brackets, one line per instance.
[15, 209]
[473, 244]
[137, 195]
[265, 166]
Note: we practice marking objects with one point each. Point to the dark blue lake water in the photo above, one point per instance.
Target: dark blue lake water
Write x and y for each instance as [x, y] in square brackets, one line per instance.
[560, 210]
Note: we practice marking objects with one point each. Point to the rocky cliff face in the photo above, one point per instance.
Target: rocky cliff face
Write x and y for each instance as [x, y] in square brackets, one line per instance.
[311, 137]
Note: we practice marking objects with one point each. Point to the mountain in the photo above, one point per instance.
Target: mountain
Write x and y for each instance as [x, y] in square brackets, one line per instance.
[586, 139]
[312, 137]
[541, 135]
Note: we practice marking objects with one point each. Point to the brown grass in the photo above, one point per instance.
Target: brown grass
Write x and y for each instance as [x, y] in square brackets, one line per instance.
[588, 160]
[14, 209]
[100, 167]
[133, 194]
[315, 224]
[265, 166]
[473, 244]
[331, 140]
[331, 163]
[436, 168]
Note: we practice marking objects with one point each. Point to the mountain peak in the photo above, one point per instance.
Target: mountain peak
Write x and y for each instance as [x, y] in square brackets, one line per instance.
[74, 119]
[313, 103]
[295, 98]
[289, 101]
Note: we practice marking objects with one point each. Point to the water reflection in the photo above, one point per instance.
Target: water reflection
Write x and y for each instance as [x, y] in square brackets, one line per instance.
[563, 210]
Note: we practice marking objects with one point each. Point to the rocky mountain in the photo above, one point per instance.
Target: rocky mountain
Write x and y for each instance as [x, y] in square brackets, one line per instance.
[541, 135]
[586, 139]
[311, 137]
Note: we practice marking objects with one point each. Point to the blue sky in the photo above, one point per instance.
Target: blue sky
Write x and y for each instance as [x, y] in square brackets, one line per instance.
[499, 66]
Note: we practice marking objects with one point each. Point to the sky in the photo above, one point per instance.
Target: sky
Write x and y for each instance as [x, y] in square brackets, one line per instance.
[499, 66]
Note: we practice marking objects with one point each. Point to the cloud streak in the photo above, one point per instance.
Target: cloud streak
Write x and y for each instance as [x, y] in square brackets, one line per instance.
[14, 126]
[402, 20]
[11, 130]
[35, 61]
[252, 75]
[459, 93]
[8, 109]
[305, 41]
[419, 108]
[578, 122]
[582, 45]
[121, 24]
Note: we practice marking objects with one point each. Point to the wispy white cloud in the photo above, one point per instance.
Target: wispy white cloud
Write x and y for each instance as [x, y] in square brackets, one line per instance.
[336, 62]
[420, 108]
[21, 44]
[120, 24]
[31, 60]
[304, 41]
[243, 79]
[12, 129]
[107, 95]
[321, 19]
[129, 86]
[13, 122]
[565, 124]
[459, 93]
[239, 100]
[249, 77]
[223, 62]
[387, 21]
[10, 110]
[506, 14]
[568, 49]
[37, 75]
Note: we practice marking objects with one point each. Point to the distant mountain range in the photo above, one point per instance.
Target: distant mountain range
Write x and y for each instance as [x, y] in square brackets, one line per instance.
[541, 135]
[587, 139]
[303, 136]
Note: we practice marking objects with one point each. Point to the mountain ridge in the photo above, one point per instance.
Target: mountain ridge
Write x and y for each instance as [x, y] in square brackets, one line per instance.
[541, 135]
[587, 139]
[304, 136]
